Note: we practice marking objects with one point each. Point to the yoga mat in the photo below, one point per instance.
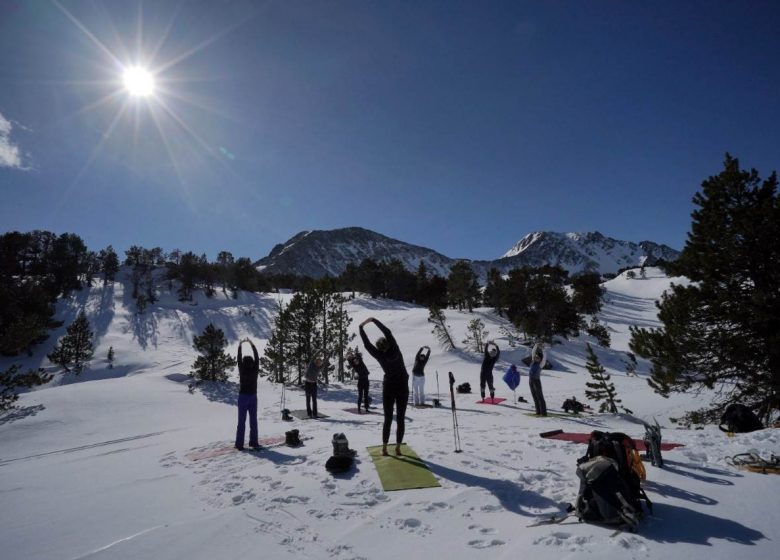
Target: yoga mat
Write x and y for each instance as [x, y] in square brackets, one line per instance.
[577, 437]
[403, 472]
[488, 400]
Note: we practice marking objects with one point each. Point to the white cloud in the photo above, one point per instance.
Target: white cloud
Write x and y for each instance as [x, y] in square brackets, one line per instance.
[10, 154]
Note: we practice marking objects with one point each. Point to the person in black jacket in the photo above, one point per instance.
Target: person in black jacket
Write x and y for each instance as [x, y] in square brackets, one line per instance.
[248, 369]
[418, 375]
[486, 373]
[395, 385]
[355, 361]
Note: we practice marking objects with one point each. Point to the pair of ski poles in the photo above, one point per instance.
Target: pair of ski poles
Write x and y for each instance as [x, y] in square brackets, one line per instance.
[455, 428]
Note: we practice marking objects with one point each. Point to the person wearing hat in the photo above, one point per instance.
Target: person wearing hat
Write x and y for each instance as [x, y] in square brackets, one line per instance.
[395, 385]
[248, 369]
[418, 375]
[486, 373]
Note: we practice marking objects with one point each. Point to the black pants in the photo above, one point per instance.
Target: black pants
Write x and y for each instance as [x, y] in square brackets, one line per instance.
[311, 398]
[363, 394]
[398, 396]
[536, 392]
[486, 378]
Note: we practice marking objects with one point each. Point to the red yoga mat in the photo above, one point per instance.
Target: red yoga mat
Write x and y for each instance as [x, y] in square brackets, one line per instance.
[490, 400]
[577, 437]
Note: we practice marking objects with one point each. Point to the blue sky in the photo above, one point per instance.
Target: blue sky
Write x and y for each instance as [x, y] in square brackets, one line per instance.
[460, 126]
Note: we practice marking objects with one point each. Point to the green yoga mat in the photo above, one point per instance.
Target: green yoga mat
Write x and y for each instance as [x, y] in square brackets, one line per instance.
[402, 472]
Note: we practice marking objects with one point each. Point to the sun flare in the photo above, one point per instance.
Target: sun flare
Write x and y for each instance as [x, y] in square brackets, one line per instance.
[138, 81]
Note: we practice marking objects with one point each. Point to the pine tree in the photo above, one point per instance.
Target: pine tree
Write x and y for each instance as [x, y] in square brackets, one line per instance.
[494, 291]
[11, 381]
[75, 347]
[225, 263]
[462, 287]
[587, 293]
[109, 264]
[601, 389]
[721, 330]
[339, 321]
[476, 335]
[440, 328]
[276, 359]
[110, 357]
[599, 332]
[213, 363]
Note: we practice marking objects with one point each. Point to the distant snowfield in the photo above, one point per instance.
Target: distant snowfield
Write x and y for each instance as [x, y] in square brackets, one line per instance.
[96, 467]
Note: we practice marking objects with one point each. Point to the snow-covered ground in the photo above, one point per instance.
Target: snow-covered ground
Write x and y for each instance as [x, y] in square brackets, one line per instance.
[97, 466]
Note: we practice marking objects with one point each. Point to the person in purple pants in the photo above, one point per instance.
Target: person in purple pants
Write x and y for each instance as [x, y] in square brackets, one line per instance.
[248, 369]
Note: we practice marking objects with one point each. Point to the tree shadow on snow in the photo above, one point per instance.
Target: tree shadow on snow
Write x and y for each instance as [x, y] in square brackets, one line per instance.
[696, 476]
[278, 458]
[676, 524]
[679, 493]
[383, 304]
[144, 326]
[20, 413]
[225, 392]
[510, 495]
[708, 470]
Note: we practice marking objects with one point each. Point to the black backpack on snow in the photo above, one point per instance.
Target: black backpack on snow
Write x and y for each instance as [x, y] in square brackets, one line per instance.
[611, 474]
[740, 419]
[464, 388]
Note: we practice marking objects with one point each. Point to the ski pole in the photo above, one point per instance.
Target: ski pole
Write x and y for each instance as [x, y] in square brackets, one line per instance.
[455, 429]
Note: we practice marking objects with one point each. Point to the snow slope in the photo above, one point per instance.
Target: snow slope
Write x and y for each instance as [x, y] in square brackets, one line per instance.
[97, 467]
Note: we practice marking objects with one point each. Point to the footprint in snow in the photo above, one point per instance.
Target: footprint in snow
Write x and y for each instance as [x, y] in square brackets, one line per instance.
[412, 525]
[485, 544]
[291, 499]
[239, 499]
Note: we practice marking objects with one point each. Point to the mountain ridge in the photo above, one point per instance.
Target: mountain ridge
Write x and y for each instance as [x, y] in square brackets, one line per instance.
[319, 253]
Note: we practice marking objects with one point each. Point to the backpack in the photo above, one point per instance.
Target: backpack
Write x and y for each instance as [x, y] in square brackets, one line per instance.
[573, 406]
[338, 464]
[464, 388]
[611, 475]
[292, 438]
[740, 419]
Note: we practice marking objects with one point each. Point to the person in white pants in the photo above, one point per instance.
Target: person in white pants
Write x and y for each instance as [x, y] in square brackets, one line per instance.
[418, 375]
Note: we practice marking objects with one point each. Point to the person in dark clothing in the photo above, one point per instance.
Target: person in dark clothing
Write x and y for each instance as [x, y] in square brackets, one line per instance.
[538, 361]
[486, 373]
[418, 375]
[355, 361]
[310, 378]
[395, 385]
[248, 369]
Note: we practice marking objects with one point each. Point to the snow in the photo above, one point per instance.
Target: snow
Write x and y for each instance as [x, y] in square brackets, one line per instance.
[96, 467]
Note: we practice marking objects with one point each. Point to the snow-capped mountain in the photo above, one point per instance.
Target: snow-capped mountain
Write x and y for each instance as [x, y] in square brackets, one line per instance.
[582, 252]
[319, 253]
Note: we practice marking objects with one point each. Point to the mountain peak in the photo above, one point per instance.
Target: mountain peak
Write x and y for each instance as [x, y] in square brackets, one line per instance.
[585, 251]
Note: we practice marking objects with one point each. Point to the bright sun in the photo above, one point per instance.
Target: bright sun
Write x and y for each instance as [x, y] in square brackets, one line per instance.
[138, 81]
